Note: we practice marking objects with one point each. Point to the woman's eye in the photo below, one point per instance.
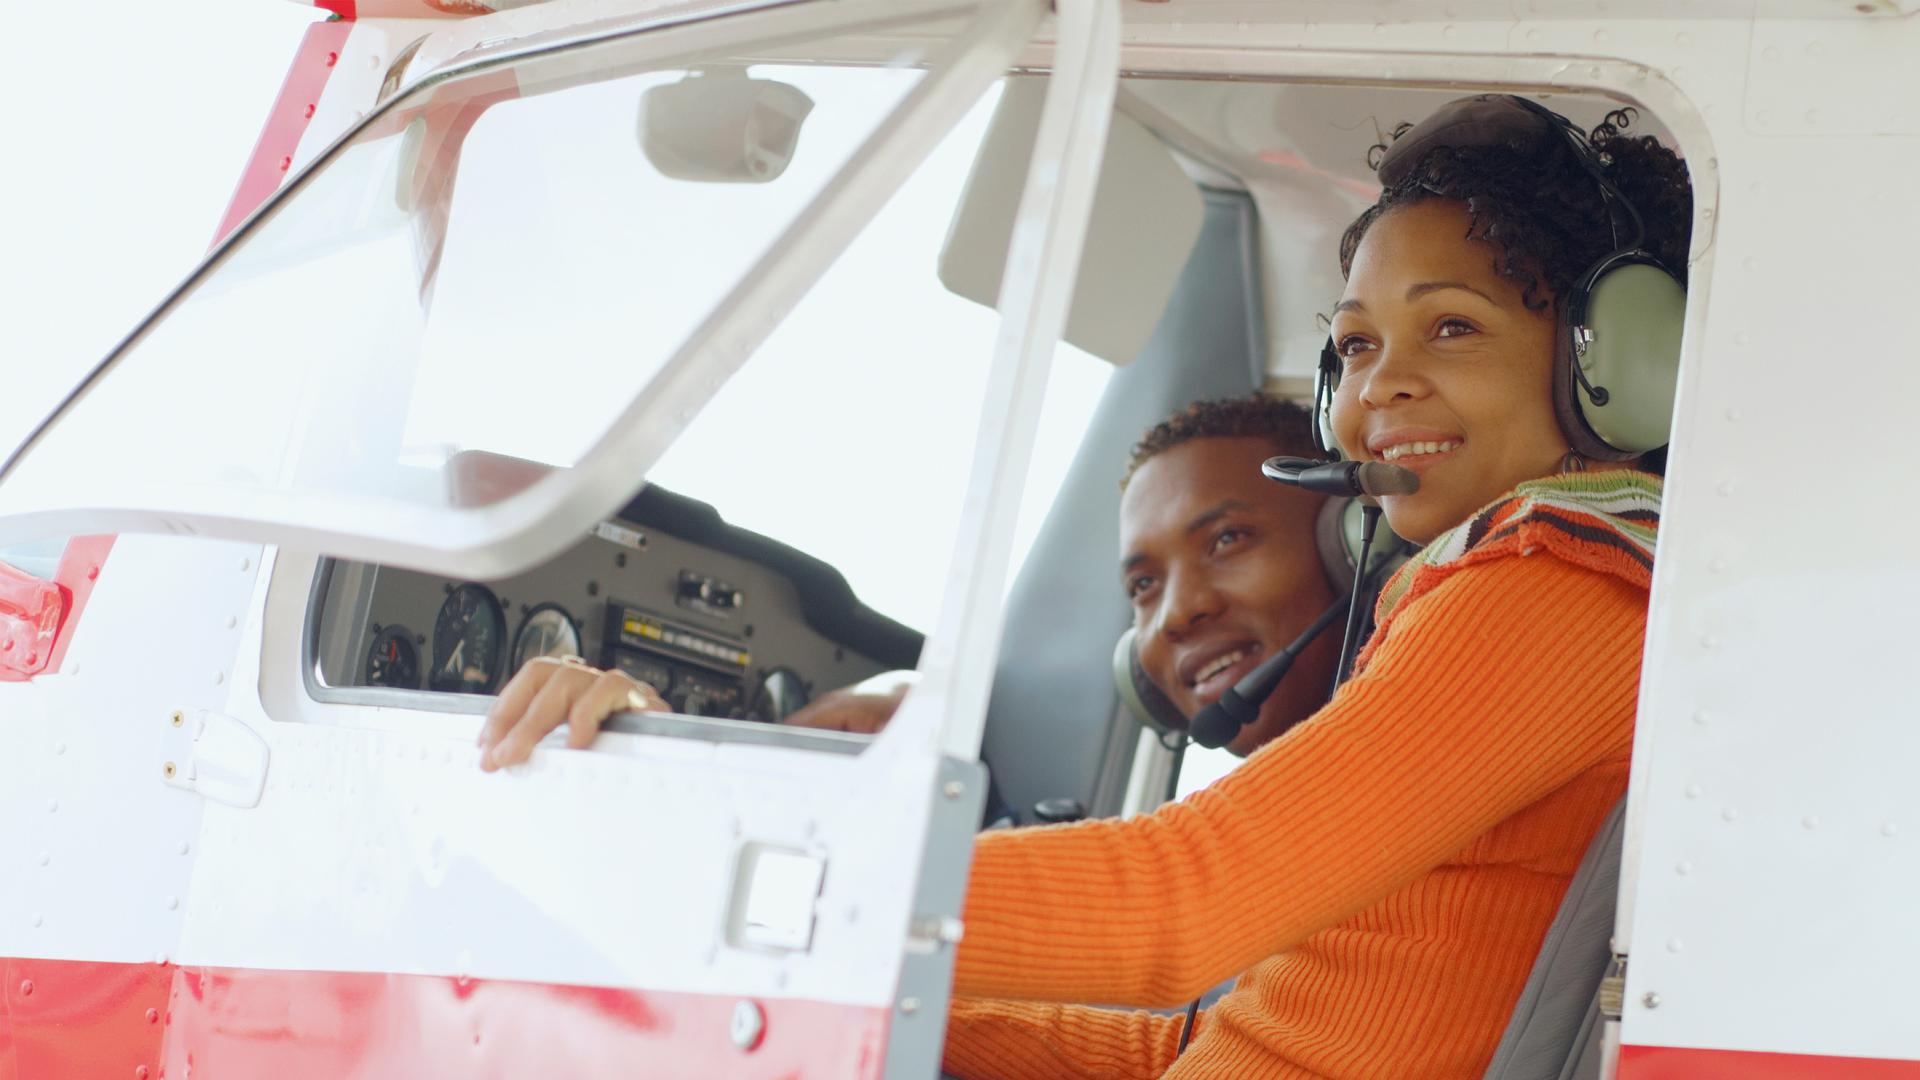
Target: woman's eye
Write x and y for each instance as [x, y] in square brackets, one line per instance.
[1348, 346]
[1454, 327]
[1138, 586]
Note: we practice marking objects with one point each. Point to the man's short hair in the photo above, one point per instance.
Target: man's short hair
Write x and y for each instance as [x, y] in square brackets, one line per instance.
[1286, 424]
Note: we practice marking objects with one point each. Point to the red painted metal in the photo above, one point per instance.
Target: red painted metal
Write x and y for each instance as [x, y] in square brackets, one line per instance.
[79, 569]
[92, 1019]
[67, 1018]
[424, 9]
[1680, 1063]
[287, 120]
[407, 9]
[31, 611]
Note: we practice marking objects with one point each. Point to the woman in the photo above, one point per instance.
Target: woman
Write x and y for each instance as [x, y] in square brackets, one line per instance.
[1382, 875]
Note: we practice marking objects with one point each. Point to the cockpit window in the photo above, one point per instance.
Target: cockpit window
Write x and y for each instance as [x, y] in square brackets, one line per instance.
[495, 269]
[795, 538]
[850, 433]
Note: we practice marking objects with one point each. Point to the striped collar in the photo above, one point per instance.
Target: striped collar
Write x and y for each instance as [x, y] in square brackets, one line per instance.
[1606, 520]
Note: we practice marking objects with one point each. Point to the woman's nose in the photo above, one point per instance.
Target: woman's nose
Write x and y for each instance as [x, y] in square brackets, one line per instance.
[1394, 375]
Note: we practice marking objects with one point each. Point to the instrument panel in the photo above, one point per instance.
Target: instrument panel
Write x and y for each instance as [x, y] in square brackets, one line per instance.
[721, 621]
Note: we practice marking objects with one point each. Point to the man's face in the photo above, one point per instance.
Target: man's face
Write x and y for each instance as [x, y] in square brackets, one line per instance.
[1221, 568]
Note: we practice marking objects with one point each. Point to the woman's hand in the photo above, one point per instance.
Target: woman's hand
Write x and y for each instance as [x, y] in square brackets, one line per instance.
[549, 692]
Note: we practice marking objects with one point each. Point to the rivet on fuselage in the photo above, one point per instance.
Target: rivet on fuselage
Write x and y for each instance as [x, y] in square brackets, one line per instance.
[748, 1026]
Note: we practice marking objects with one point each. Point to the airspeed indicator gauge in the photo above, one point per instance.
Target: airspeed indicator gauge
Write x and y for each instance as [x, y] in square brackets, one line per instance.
[469, 642]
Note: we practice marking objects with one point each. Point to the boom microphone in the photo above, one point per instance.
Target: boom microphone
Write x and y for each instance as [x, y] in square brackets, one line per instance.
[1347, 478]
[1238, 705]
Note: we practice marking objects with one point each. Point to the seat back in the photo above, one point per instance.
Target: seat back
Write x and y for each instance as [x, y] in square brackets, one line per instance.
[1555, 1030]
[1055, 726]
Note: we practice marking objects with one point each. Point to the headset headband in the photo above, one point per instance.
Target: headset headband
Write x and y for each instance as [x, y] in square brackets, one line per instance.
[1503, 120]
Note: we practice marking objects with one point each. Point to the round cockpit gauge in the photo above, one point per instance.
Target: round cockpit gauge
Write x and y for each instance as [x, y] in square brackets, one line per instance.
[546, 631]
[469, 641]
[780, 694]
[393, 660]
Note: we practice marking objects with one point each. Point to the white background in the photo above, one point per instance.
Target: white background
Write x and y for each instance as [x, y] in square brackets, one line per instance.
[126, 126]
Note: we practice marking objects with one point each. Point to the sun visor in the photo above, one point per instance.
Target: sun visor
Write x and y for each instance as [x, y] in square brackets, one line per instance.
[1146, 217]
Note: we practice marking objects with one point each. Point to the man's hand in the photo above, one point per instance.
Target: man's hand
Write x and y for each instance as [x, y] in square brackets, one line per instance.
[858, 709]
[547, 693]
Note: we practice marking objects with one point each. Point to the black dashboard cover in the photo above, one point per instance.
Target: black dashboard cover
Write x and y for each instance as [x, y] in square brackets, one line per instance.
[826, 600]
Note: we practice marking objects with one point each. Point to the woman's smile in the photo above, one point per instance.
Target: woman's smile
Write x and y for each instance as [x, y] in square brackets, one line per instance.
[1413, 448]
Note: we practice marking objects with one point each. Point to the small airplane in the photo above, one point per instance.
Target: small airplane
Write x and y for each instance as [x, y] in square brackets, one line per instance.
[512, 295]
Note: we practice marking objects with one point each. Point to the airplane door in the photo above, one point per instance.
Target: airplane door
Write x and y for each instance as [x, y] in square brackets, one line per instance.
[357, 898]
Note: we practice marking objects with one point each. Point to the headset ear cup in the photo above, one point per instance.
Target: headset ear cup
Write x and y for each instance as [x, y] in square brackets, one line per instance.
[1326, 379]
[1336, 533]
[1142, 697]
[1338, 556]
[1634, 311]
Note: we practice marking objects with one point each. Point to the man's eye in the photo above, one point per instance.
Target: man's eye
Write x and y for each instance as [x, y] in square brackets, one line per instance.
[1226, 538]
[1138, 586]
[1454, 327]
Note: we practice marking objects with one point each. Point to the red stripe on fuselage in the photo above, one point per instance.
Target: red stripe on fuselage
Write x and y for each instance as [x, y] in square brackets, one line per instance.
[1682, 1063]
[313, 64]
[79, 569]
[90, 1019]
[65, 1018]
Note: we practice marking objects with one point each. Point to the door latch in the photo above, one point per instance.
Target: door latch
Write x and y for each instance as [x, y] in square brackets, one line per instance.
[1613, 989]
[215, 756]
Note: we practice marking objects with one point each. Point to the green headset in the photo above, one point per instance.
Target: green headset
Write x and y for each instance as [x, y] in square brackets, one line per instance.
[1336, 536]
[1617, 350]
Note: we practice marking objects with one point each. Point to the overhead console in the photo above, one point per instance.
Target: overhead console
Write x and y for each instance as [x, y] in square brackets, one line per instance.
[721, 621]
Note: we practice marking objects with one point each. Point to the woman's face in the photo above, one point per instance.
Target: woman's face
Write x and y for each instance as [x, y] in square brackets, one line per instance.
[1446, 370]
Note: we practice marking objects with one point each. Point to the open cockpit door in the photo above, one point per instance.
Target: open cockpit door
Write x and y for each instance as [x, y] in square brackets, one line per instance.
[554, 251]
[456, 343]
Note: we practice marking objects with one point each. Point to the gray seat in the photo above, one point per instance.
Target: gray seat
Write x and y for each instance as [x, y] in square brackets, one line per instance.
[1055, 726]
[1555, 1030]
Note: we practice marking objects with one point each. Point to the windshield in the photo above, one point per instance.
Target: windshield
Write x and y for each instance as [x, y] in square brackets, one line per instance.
[487, 275]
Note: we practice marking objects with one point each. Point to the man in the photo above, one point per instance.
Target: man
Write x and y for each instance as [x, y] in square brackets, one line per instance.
[1219, 562]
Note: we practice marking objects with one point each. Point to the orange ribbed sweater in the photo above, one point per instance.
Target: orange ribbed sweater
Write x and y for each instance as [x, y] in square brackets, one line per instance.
[1382, 875]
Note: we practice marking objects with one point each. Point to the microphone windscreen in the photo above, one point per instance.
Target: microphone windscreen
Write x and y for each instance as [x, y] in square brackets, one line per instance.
[1212, 727]
[1379, 478]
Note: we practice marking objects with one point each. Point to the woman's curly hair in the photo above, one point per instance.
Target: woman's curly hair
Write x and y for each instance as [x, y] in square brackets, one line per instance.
[1536, 203]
